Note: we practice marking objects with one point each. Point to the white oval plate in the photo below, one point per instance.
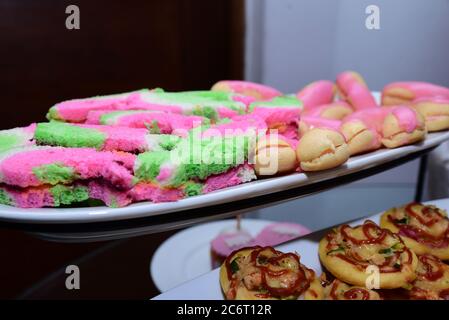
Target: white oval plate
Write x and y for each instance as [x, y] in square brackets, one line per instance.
[207, 287]
[244, 191]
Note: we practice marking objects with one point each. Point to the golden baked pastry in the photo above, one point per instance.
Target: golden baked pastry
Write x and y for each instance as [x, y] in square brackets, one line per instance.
[261, 273]
[351, 253]
[424, 228]
[432, 282]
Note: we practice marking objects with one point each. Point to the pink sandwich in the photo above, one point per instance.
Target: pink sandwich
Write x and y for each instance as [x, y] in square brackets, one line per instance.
[278, 233]
[140, 192]
[213, 105]
[241, 174]
[155, 121]
[239, 125]
[36, 166]
[17, 137]
[104, 138]
[227, 242]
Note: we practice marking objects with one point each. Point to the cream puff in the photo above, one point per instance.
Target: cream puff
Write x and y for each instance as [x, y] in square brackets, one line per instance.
[263, 273]
[321, 149]
[363, 129]
[435, 111]
[424, 228]
[274, 155]
[402, 126]
[354, 254]
[405, 92]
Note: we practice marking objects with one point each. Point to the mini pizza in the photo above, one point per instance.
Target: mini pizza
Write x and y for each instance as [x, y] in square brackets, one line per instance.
[263, 273]
[424, 229]
[338, 290]
[432, 282]
[351, 254]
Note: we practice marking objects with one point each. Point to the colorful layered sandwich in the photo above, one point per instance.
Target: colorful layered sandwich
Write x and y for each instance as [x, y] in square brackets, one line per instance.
[213, 105]
[155, 121]
[104, 138]
[17, 137]
[43, 165]
[195, 159]
[281, 113]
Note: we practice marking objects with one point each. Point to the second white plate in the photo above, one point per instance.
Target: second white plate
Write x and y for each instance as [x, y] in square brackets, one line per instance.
[186, 255]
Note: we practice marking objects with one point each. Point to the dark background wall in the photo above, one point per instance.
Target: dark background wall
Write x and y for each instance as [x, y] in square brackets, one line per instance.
[121, 46]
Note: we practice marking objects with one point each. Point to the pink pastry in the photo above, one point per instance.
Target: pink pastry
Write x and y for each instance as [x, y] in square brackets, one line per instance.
[346, 79]
[246, 88]
[363, 129]
[317, 93]
[398, 93]
[372, 117]
[353, 89]
[402, 126]
[278, 233]
[435, 110]
[334, 111]
[309, 122]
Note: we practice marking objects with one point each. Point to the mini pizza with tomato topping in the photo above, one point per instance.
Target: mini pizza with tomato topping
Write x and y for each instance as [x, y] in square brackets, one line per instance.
[260, 273]
[355, 254]
[338, 290]
[424, 228]
[432, 282]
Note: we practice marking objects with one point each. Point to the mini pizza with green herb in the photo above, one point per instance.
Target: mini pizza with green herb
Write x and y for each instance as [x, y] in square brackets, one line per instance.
[424, 228]
[263, 273]
[368, 253]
